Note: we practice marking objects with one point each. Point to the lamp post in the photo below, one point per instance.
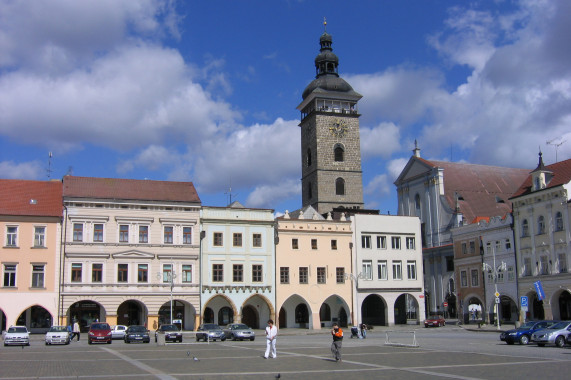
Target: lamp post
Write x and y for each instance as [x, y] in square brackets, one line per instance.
[355, 280]
[169, 276]
[495, 269]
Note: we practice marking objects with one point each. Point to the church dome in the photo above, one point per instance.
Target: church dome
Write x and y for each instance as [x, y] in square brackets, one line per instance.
[327, 83]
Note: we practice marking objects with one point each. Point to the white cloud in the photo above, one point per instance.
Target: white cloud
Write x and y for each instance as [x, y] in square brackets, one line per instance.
[382, 140]
[22, 170]
[265, 196]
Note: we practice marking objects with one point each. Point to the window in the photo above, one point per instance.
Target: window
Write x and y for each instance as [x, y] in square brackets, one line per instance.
[321, 277]
[77, 232]
[367, 270]
[450, 264]
[463, 279]
[284, 275]
[303, 275]
[498, 246]
[500, 277]
[340, 275]
[464, 248]
[37, 276]
[338, 153]
[217, 239]
[333, 244]
[168, 234]
[472, 247]
[313, 243]
[490, 277]
[540, 225]
[187, 273]
[98, 232]
[527, 266]
[397, 270]
[395, 242]
[366, 241]
[123, 233]
[96, 272]
[237, 273]
[257, 273]
[562, 258]
[558, 221]
[411, 270]
[122, 272]
[543, 268]
[143, 234]
[12, 236]
[76, 272]
[9, 275]
[143, 273]
[381, 242]
[187, 235]
[39, 236]
[524, 228]
[294, 244]
[237, 240]
[382, 270]
[339, 186]
[167, 273]
[508, 244]
[308, 157]
[489, 248]
[217, 272]
[474, 275]
[511, 274]
[410, 243]
[257, 240]
[417, 204]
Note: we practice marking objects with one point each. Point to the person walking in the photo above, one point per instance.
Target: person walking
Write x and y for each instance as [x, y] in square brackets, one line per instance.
[76, 330]
[271, 334]
[337, 334]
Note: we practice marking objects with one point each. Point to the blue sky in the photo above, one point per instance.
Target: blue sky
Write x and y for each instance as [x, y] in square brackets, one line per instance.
[206, 91]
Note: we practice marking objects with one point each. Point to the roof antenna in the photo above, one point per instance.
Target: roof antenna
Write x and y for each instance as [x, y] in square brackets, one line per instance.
[229, 193]
[556, 145]
[49, 169]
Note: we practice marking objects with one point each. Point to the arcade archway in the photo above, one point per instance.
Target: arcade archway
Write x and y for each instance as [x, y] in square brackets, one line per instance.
[86, 312]
[374, 311]
[406, 310]
[131, 313]
[36, 318]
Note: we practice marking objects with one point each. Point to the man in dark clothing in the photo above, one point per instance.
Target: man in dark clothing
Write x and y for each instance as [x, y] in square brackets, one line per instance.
[337, 334]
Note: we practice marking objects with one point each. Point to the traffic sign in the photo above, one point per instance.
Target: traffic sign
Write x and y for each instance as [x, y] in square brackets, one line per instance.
[445, 304]
[497, 294]
[497, 299]
[523, 301]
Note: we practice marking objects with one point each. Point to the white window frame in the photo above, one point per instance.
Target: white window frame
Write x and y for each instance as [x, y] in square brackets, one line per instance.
[40, 237]
[381, 242]
[397, 269]
[411, 270]
[367, 266]
[382, 270]
[13, 275]
[366, 241]
[38, 276]
[395, 242]
[410, 242]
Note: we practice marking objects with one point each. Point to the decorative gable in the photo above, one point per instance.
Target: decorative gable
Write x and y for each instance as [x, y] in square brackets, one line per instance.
[133, 254]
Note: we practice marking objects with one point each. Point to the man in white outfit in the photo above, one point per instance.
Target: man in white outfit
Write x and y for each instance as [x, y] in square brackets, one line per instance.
[271, 335]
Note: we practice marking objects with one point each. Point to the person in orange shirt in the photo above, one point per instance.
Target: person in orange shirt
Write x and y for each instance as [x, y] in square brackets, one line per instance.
[337, 334]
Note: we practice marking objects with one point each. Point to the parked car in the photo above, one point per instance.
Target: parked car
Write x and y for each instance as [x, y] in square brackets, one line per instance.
[118, 331]
[554, 334]
[435, 321]
[522, 334]
[99, 332]
[57, 335]
[17, 336]
[137, 333]
[171, 332]
[239, 331]
[210, 331]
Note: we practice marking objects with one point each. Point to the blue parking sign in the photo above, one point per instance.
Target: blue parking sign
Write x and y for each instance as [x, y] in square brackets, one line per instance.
[523, 301]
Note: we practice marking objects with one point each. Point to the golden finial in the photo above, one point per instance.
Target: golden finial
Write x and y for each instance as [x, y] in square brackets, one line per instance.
[324, 24]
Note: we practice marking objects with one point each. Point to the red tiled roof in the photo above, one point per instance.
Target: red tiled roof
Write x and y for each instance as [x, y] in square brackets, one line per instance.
[485, 190]
[30, 198]
[561, 175]
[129, 189]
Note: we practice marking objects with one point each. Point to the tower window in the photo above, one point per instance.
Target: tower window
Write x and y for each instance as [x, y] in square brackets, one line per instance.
[339, 152]
[309, 193]
[308, 157]
[340, 186]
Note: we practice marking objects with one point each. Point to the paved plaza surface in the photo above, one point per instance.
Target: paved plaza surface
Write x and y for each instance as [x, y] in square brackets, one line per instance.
[441, 353]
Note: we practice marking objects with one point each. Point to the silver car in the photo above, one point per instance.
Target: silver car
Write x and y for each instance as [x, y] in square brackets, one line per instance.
[554, 334]
[17, 336]
[57, 335]
[239, 331]
[118, 331]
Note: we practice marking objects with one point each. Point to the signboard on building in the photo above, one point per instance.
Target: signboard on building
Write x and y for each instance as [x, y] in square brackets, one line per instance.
[539, 290]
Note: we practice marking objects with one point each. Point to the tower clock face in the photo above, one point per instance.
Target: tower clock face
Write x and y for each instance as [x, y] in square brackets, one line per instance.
[338, 128]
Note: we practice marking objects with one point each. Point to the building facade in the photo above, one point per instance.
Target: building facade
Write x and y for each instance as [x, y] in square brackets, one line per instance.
[30, 224]
[330, 142]
[387, 274]
[543, 240]
[313, 261]
[131, 250]
[237, 265]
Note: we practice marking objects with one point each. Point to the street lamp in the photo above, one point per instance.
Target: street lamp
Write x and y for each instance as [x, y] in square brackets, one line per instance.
[495, 269]
[168, 276]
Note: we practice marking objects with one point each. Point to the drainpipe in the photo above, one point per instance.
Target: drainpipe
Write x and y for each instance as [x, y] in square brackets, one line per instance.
[63, 235]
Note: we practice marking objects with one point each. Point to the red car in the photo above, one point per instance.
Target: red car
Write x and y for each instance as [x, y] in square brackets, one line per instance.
[99, 332]
[435, 321]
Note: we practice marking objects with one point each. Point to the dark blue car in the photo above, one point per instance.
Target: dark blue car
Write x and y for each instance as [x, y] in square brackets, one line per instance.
[523, 333]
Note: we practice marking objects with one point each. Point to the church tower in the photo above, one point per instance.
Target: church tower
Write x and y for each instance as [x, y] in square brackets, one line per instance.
[330, 144]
